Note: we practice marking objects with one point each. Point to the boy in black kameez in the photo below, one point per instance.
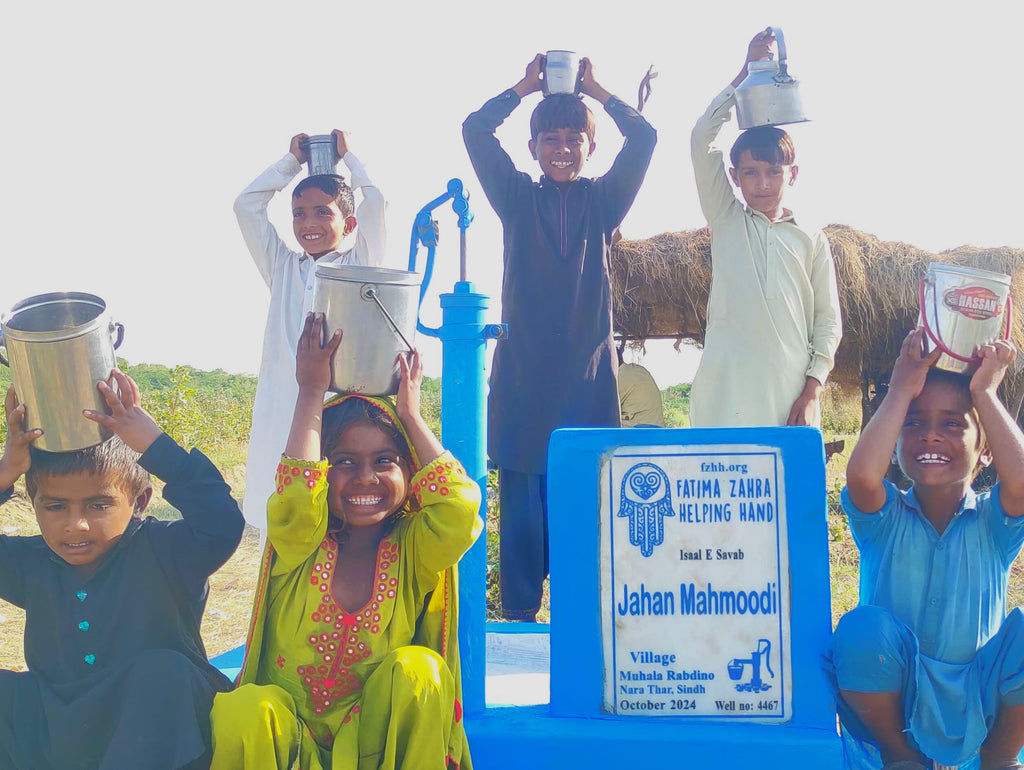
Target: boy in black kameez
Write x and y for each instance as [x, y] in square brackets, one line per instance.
[557, 368]
[118, 676]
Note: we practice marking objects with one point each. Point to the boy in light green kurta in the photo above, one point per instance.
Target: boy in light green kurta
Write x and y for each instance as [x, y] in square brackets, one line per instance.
[352, 658]
[773, 313]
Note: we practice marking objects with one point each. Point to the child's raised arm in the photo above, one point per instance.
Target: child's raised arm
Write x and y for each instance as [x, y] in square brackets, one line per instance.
[16, 458]
[1002, 434]
[313, 374]
[407, 407]
[531, 81]
[872, 455]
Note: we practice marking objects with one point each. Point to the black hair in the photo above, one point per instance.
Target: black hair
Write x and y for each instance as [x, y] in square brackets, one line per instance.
[353, 410]
[768, 144]
[332, 185]
[561, 111]
[111, 458]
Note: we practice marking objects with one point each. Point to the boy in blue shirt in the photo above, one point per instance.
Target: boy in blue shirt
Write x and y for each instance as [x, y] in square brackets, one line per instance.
[117, 672]
[929, 667]
[557, 368]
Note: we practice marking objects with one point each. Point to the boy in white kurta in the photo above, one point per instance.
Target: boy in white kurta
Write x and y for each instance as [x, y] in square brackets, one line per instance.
[773, 314]
[321, 220]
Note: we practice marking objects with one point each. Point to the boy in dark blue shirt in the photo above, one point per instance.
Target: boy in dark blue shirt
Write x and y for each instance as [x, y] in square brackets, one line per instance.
[117, 671]
[557, 368]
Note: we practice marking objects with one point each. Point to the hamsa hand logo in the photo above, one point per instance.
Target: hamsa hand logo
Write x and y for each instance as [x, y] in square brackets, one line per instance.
[646, 499]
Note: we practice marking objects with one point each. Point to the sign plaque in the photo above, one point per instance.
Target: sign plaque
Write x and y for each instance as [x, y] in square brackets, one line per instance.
[695, 583]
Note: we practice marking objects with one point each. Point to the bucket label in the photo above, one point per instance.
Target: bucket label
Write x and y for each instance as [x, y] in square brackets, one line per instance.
[976, 302]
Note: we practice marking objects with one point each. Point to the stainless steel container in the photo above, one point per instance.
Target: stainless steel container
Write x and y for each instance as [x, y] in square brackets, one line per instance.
[322, 153]
[561, 72]
[58, 346]
[769, 96]
[963, 308]
[377, 309]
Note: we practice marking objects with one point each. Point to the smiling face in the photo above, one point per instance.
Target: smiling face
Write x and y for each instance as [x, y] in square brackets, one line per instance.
[318, 222]
[763, 183]
[940, 443]
[369, 477]
[82, 515]
[561, 153]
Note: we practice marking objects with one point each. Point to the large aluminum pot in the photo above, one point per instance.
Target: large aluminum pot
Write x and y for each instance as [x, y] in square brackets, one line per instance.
[963, 308]
[58, 346]
[376, 308]
[769, 96]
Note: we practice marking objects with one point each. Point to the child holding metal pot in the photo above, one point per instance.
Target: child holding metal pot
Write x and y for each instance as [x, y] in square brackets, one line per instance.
[773, 313]
[117, 672]
[557, 367]
[352, 657]
[930, 666]
[323, 216]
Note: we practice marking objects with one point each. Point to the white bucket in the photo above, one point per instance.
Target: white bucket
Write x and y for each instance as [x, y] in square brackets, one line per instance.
[963, 308]
[377, 309]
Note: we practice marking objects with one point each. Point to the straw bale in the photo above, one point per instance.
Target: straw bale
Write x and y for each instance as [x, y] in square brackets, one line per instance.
[661, 287]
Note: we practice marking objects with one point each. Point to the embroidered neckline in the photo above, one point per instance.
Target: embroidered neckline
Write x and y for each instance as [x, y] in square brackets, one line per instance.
[336, 643]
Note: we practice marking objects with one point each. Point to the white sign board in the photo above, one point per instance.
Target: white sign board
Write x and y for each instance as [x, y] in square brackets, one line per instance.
[695, 583]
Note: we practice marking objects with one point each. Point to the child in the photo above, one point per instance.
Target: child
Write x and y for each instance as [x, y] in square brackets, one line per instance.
[557, 367]
[639, 397]
[927, 666]
[117, 672]
[322, 215]
[352, 658]
[773, 314]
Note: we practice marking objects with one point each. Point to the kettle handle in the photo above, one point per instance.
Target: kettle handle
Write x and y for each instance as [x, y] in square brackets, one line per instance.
[780, 41]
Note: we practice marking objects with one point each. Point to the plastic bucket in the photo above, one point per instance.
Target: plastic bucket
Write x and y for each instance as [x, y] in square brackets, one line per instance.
[377, 309]
[963, 308]
[322, 151]
[58, 345]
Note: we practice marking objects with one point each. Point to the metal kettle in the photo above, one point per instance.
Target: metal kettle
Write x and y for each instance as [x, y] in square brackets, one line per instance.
[769, 96]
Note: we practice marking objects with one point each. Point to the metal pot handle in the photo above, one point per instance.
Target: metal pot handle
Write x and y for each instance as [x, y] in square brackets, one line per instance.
[780, 41]
[369, 292]
[119, 328]
[3, 347]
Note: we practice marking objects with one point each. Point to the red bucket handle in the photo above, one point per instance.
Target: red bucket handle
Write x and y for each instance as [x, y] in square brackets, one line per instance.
[935, 337]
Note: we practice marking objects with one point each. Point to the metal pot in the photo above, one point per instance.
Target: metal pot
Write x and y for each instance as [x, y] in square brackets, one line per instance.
[58, 346]
[377, 309]
[561, 72]
[322, 151]
[768, 96]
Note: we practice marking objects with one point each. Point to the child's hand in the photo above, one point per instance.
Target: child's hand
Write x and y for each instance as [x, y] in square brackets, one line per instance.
[911, 369]
[532, 80]
[996, 358]
[407, 404]
[760, 46]
[341, 137]
[313, 357]
[16, 459]
[588, 84]
[296, 148]
[127, 418]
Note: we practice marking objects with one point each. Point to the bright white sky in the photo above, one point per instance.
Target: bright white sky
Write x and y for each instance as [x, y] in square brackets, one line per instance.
[130, 127]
